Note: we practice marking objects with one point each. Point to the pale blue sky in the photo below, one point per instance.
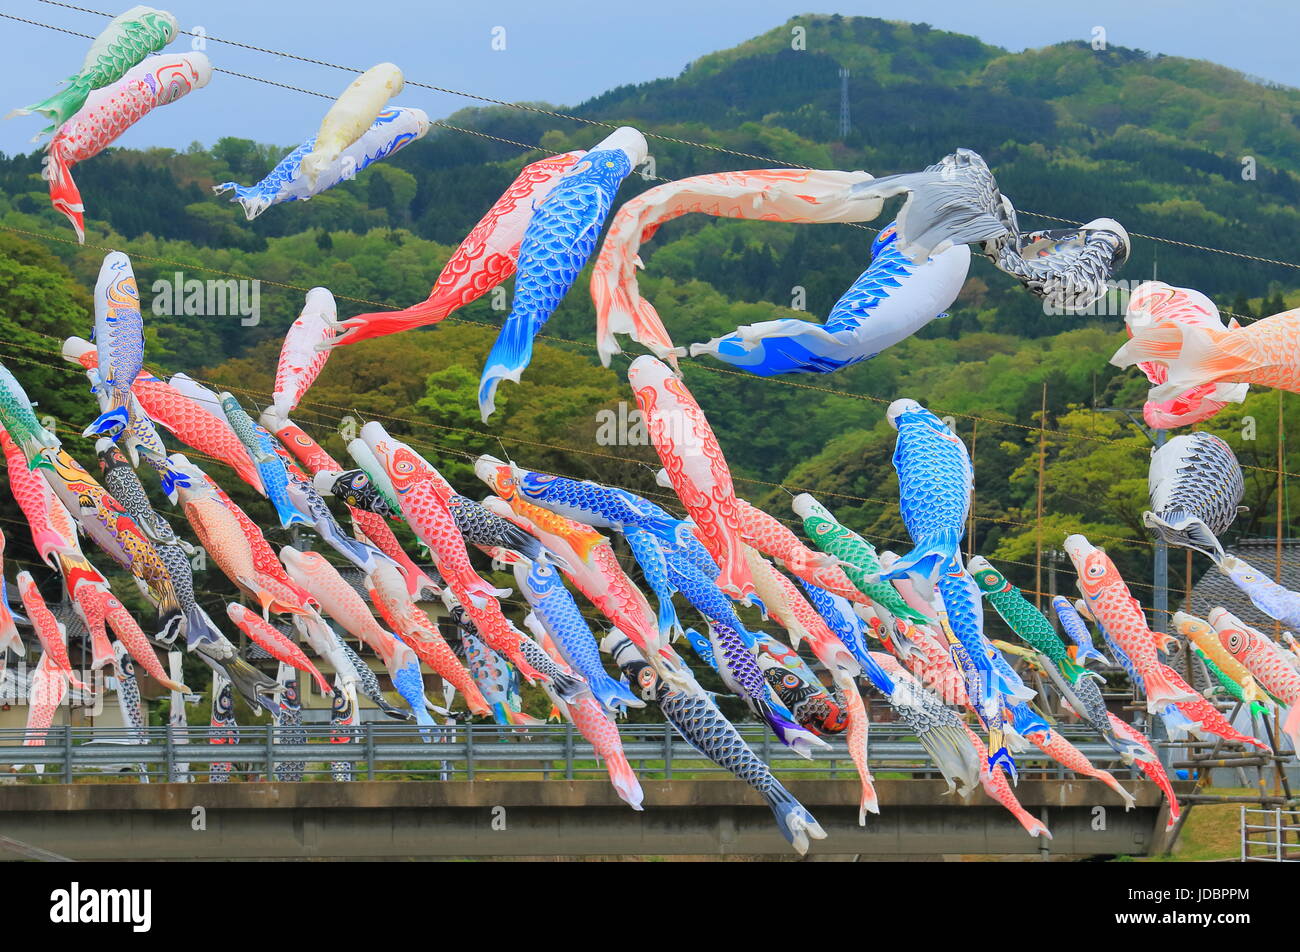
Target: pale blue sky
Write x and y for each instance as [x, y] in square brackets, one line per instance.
[564, 52]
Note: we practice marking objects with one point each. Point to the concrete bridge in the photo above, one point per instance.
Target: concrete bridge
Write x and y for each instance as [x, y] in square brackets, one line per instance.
[554, 818]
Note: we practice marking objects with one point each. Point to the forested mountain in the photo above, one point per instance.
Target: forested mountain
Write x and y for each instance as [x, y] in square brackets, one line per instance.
[1159, 143]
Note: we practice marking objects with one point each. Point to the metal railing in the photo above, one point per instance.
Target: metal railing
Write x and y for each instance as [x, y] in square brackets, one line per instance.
[379, 751]
[1270, 836]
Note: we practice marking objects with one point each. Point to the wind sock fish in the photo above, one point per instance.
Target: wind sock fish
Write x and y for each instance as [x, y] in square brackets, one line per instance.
[811, 704]
[83, 582]
[114, 530]
[1077, 631]
[957, 201]
[369, 685]
[991, 686]
[355, 488]
[695, 467]
[934, 487]
[1029, 624]
[408, 620]
[9, 639]
[224, 730]
[494, 677]
[1267, 662]
[392, 130]
[186, 419]
[939, 730]
[308, 501]
[49, 631]
[52, 528]
[1084, 699]
[597, 727]
[119, 337]
[858, 726]
[370, 525]
[270, 467]
[341, 602]
[792, 612]
[1264, 353]
[1054, 745]
[128, 693]
[371, 465]
[49, 686]
[697, 719]
[1268, 596]
[769, 536]
[1151, 766]
[590, 564]
[422, 497]
[1202, 634]
[328, 646]
[122, 482]
[410, 476]
[1176, 724]
[841, 620]
[487, 530]
[555, 608]
[279, 593]
[288, 724]
[128, 39]
[592, 504]
[223, 539]
[19, 421]
[279, 645]
[483, 260]
[888, 303]
[790, 195]
[1224, 685]
[139, 437]
[732, 650]
[996, 786]
[350, 115]
[855, 555]
[1195, 484]
[1077, 684]
[301, 357]
[104, 604]
[1109, 601]
[1154, 303]
[560, 237]
[107, 114]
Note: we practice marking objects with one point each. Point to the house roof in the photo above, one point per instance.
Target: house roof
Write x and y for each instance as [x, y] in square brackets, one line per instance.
[1214, 588]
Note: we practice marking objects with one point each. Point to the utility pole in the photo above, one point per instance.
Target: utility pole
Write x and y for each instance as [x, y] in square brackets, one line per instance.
[845, 125]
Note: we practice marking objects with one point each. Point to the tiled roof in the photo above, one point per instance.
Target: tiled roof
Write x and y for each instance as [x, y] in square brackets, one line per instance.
[1214, 588]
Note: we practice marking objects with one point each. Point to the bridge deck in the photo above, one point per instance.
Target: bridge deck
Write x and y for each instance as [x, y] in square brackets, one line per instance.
[484, 818]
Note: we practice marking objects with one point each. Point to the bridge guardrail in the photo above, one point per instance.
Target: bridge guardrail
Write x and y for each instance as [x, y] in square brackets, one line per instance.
[450, 752]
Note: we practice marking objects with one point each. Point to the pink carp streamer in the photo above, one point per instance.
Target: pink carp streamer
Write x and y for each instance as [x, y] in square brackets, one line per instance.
[1156, 304]
[695, 467]
[107, 114]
